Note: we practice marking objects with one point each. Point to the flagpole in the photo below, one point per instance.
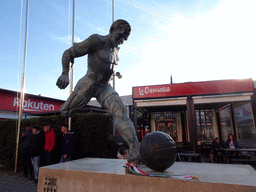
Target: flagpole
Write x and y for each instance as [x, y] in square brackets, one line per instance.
[114, 81]
[22, 89]
[71, 68]
[112, 11]
[114, 86]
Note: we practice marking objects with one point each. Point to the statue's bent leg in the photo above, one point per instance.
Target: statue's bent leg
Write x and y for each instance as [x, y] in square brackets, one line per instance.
[114, 105]
[79, 97]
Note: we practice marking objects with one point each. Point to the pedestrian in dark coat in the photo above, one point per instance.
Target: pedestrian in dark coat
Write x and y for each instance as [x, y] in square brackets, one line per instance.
[26, 139]
[67, 144]
[36, 150]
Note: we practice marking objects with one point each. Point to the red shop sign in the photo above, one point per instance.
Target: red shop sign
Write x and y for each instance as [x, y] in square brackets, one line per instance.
[193, 88]
[10, 102]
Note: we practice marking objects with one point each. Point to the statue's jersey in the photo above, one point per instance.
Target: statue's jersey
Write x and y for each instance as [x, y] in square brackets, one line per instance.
[101, 62]
[101, 58]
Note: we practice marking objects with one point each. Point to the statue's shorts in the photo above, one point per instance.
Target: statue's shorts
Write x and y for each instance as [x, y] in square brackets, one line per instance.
[85, 89]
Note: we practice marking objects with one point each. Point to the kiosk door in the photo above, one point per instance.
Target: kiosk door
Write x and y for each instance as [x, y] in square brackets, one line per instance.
[226, 122]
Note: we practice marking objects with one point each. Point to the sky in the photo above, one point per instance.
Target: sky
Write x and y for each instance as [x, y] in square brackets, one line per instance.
[194, 40]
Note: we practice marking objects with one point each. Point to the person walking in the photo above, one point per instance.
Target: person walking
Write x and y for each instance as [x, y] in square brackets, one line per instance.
[67, 144]
[50, 141]
[26, 139]
[36, 150]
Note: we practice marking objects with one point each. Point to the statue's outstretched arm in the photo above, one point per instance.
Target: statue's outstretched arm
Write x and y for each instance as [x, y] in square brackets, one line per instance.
[79, 49]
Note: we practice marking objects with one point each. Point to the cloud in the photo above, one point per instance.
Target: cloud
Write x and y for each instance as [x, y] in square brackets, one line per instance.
[215, 43]
[65, 39]
[203, 42]
[101, 30]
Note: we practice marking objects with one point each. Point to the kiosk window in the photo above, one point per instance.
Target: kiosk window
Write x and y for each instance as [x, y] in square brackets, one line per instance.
[226, 122]
[244, 124]
[204, 125]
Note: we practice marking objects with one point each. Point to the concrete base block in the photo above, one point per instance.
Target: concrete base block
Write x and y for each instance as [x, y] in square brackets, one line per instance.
[107, 175]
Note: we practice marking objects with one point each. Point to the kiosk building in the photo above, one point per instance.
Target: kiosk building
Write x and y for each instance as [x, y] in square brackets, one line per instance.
[196, 112]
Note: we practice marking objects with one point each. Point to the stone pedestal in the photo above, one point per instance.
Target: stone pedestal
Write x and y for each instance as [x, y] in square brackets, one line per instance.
[107, 175]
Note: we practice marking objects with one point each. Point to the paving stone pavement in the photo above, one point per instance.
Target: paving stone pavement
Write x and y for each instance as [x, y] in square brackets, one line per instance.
[15, 182]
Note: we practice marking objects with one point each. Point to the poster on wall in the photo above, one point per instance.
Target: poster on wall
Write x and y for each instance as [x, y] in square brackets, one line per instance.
[167, 125]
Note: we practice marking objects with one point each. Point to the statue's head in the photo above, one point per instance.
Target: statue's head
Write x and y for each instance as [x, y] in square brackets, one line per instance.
[121, 30]
[120, 25]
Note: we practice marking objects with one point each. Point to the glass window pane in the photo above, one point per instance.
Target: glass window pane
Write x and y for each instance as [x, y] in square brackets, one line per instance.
[199, 134]
[204, 126]
[246, 132]
[225, 123]
[209, 128]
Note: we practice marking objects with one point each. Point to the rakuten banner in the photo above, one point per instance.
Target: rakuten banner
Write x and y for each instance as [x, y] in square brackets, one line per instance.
[11, 102]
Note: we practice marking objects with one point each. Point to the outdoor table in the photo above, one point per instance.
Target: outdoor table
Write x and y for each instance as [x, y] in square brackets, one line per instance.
[243, 150]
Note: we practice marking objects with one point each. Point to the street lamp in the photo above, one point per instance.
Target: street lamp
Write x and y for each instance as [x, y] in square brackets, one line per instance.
[119, 76]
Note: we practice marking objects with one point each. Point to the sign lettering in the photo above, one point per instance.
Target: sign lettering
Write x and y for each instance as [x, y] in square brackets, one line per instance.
[29, 105]
[148, 90]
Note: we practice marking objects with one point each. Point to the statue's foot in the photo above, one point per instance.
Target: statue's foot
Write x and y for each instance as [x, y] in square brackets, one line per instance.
[133, 155]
